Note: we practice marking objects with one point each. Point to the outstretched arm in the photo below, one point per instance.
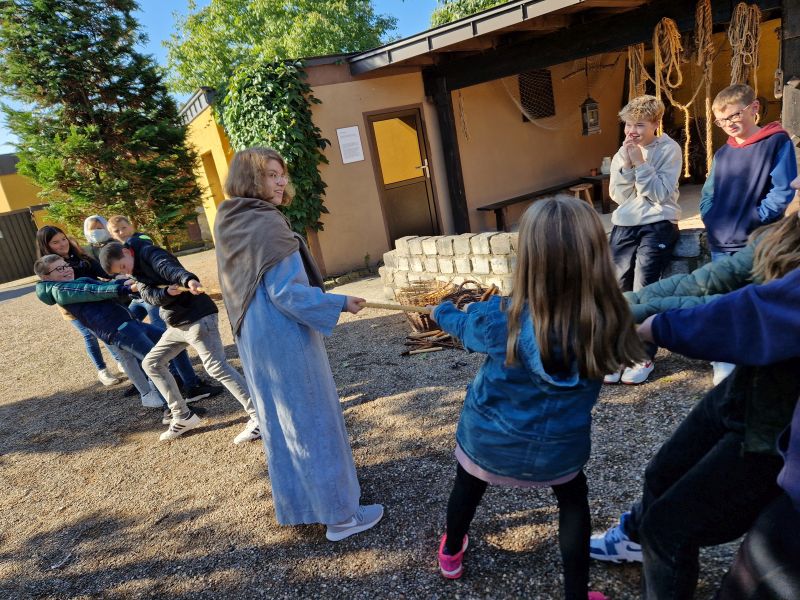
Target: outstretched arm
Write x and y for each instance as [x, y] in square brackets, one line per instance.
[756, 325]
[88, 290]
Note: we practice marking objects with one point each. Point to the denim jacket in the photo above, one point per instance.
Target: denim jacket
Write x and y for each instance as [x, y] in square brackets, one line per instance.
[521, 421]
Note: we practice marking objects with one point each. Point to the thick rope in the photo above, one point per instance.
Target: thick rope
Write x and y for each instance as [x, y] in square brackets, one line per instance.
[744, 34]
[637, 73]
[667, 54]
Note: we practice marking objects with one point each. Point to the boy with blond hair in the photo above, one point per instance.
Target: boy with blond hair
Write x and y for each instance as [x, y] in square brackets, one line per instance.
[748, 185]
[121, 229]
[644, 184]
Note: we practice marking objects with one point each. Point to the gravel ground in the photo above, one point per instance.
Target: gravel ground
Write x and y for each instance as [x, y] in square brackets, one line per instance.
[94, 506]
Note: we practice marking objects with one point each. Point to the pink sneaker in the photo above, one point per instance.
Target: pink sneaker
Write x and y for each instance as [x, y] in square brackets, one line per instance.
[450, 566]
[597, 596]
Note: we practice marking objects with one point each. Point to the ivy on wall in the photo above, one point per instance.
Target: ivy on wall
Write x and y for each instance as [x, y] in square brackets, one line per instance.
[269, 104]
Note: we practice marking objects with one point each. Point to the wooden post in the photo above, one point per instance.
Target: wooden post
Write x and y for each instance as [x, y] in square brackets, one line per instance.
[790, 42]
[436, 89]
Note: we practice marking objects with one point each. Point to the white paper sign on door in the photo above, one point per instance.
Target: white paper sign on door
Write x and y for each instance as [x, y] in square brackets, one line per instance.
[350, 144]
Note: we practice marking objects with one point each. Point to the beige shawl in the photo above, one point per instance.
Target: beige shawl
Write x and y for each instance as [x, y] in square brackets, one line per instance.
[251, 237]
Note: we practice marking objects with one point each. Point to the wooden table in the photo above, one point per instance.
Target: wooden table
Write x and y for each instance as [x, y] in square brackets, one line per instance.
[600, 190]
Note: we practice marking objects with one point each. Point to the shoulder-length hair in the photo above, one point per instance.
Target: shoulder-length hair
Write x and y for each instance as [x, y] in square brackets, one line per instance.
[248, 171]
[564, 276]
[777, 248]
[47, 233]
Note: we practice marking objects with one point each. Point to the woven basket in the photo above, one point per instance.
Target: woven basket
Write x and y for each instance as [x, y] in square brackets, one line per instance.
[423, 293]
[466, 293]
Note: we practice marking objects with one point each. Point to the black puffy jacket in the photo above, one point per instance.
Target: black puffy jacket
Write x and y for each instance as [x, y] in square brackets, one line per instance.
[154, 267]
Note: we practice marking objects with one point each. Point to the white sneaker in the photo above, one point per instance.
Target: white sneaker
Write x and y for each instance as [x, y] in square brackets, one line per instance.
[152, 399]
[106, 378]
[250, 432]
[638, 373]
[366, 516]
[122, 374]
[166, 418]
[721, 371]
[178, 427]
[612, 377]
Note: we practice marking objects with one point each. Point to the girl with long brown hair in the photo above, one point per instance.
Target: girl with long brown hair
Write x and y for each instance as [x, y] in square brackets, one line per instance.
[53, 240]
[526, 420]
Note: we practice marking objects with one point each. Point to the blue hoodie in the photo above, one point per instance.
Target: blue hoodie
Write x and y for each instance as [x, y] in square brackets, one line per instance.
[519, 421]
[756, 325]
[748, 186]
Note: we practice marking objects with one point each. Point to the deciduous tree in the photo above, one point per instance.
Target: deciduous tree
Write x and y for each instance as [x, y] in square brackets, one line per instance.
[452, 10]
[211, 42]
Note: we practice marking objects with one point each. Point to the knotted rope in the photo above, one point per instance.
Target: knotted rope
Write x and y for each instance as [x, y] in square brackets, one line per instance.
[744, 34]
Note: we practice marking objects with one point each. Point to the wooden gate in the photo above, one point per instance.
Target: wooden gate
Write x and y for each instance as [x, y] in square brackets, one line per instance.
[17, 245]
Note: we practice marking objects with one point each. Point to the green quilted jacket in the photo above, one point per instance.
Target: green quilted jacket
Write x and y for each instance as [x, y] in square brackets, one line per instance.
[764, 397]
[702, 285]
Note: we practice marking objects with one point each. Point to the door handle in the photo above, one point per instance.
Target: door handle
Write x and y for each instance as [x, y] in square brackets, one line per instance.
[425, 168]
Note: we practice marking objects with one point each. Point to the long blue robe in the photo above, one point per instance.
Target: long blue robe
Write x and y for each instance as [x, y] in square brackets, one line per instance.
[284, 360]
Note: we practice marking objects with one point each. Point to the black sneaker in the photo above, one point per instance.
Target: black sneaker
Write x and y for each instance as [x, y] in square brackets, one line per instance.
[201, 391]
[130, 391]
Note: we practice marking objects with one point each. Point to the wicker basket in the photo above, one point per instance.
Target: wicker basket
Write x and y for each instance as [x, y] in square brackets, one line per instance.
[423, 293]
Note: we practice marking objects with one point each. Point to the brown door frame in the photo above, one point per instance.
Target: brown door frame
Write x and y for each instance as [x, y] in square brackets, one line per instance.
[376, 167]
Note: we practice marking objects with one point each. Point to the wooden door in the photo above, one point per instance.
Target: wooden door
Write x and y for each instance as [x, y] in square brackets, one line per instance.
[405, 173]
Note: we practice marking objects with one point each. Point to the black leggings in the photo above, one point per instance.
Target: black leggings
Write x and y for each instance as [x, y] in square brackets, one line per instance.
[574, 527]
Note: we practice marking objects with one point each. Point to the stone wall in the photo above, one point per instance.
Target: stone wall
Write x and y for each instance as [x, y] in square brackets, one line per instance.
[489, 258]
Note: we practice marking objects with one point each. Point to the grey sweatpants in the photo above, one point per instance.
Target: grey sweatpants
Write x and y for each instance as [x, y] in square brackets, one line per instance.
[203, 336]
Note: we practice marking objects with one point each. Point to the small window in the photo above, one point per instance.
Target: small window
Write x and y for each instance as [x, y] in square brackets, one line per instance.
[536, 94]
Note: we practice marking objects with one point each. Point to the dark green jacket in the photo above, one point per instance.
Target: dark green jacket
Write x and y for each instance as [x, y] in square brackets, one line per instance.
[764, 396]
[701, 286]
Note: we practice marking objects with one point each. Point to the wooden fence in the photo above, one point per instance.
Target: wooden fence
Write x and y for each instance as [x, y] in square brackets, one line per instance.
[17, 245]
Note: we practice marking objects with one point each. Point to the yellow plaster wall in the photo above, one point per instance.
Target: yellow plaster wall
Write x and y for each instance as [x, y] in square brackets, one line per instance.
[503, 157]
[215, 153]
[355, 226]
[17, 192]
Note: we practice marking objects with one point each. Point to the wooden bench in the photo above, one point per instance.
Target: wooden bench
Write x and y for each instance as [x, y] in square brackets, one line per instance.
[499, 208]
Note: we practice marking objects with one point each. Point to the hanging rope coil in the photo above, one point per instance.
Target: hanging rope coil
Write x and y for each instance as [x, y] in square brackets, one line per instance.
[637, 73]
[667, 51]
[744, 34]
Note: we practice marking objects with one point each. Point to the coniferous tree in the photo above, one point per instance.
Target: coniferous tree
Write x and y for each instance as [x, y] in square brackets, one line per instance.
[98, 131]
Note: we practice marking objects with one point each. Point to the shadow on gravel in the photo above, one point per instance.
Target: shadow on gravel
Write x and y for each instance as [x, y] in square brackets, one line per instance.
[401, 414]
[95, 416]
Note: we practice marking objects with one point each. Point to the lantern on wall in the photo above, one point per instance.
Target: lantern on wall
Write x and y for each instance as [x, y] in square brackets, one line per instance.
[590, 109]
[590, 116]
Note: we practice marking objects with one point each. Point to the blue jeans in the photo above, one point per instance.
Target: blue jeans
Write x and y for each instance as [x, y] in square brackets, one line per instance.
[134, 371]
[93, 346]
[700, 490]
[142, 309]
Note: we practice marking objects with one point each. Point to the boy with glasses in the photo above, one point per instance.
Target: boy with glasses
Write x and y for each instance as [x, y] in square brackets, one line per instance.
[748, 185]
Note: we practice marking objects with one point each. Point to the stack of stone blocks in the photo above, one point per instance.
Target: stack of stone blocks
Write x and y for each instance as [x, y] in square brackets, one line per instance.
[488, 258]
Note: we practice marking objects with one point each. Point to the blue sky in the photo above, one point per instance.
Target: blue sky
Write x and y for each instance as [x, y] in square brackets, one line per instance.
[157, 21]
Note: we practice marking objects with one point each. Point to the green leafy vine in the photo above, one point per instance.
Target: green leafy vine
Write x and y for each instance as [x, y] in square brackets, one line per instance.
[269, 104]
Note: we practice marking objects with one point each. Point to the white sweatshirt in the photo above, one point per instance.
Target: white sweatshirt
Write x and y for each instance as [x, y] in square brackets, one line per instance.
[649, 192]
